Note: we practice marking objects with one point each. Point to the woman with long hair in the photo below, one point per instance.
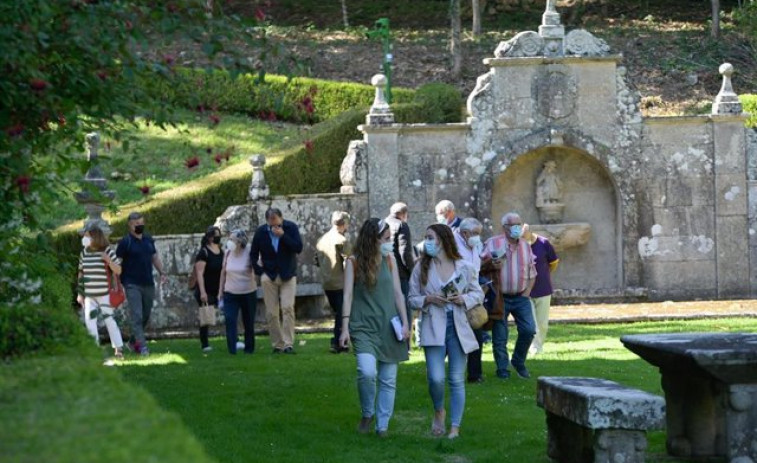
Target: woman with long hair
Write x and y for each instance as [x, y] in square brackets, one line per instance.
[237, 289]
[372, 297]
[96, 257]
[443, 286]
[208, 265]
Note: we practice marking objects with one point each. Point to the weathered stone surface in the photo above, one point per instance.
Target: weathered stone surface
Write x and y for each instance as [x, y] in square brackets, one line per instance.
[564, 235]
[596, 420]
[583, 43]
[710, 383]
[730, 140]
[354, 169]
[600, 404]
[733, 268]
[527, 43]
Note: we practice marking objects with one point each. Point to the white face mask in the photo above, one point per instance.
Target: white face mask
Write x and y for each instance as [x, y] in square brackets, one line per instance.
[440, 218]
[387, 248]
[231, 245]
[86, 241]
[474, 241]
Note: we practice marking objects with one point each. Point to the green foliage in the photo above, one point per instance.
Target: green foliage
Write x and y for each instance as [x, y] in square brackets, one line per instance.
[71, 67]
[749, 102]
[44, 323]
[52, 404]
[441, 102]
[270, 96]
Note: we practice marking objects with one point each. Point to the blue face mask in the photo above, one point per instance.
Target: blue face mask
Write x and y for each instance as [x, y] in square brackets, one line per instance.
[430, 247]
[387, 248]
[516, 231]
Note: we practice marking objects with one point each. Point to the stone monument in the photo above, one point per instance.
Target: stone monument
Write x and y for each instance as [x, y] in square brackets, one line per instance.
[92, 198]
[549, 194]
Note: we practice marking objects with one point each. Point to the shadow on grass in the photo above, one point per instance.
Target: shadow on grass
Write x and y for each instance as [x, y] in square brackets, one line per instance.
[305, 407]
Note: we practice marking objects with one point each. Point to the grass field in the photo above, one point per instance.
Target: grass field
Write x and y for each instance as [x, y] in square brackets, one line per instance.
[180, 405]
[301, 408]
[157, 158]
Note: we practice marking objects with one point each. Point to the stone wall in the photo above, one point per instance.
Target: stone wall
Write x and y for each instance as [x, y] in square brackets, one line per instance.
[175, 307]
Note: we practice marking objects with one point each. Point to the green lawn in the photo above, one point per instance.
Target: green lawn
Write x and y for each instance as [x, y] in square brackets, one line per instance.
[305, 407]
[156, 158]
[180, 405]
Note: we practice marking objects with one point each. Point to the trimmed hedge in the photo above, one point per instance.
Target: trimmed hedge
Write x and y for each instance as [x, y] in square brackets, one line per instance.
[49, 325]
[300, 170]
[749, 102]
[284, 97]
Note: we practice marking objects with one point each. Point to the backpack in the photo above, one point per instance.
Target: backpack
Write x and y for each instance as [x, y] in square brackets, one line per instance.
[192, 283]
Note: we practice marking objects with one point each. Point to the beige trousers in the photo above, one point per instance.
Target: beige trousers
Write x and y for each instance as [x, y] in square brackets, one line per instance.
[278, 296]
[541, 317]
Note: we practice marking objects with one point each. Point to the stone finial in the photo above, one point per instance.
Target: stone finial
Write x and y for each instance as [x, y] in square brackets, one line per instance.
[258, 187]
[727, 102]
[524, 44]
[354, 169]
[92, 198]
[380, 112]
[552, 31]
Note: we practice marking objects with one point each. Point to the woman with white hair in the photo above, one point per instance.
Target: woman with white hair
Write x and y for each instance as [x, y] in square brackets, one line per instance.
[238, 288]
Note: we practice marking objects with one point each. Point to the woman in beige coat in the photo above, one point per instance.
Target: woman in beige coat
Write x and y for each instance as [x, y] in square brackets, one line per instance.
[443, 287]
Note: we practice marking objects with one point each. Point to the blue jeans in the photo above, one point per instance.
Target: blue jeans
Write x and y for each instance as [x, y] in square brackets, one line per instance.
[140, 299]
[435, 372]
[520, 308]
[367, 374]
[232, 303]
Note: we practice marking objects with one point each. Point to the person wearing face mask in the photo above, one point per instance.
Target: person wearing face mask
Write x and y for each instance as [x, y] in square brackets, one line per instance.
[208, 265]
[468, 240]
[508, 261]
[372, 297]
[93, 296]
[443, 287]
[445, 214]
[276, 245]
[541, 293]
[237, 288]
[332, 250]
[139, 256]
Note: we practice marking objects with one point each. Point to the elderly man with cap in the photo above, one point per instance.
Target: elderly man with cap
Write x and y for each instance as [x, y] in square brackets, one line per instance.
[508, 260]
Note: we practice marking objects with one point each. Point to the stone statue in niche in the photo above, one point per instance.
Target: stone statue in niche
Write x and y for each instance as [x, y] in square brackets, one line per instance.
[549, 194]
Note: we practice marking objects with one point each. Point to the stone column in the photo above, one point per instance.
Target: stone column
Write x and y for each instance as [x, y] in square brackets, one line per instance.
[552, 31]
[93, 198]
[730, 166]
[381, 153]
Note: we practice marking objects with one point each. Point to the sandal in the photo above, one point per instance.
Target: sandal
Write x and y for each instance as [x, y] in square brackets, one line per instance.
[118, 354]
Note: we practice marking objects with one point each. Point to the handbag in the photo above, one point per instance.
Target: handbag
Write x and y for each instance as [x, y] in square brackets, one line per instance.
[116, 292]
[207, 315]
[477, 316]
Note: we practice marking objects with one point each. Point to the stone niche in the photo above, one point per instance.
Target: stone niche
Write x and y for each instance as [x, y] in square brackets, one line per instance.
[592, 261]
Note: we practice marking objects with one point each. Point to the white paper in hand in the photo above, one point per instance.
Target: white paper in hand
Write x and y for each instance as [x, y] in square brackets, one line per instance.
[397, 325]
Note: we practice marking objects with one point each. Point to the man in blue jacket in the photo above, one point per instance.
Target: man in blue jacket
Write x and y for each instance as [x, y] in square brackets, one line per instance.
[275, 246]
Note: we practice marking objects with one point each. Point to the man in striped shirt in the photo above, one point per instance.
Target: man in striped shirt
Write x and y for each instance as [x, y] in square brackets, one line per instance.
[510, 263]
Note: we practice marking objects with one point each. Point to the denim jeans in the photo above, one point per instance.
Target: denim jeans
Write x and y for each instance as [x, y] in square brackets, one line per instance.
[520, 308]
[232, 303]
[435, 372]
[335, 297]
[140, 299]
[367, 373]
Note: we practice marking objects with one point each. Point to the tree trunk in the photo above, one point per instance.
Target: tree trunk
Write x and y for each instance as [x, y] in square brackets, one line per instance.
[344, 14]
[715, 32]
[455, 47]
[476, 6]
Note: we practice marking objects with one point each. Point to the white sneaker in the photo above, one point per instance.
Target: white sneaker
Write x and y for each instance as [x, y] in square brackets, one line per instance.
[240, 345]
[207, 349]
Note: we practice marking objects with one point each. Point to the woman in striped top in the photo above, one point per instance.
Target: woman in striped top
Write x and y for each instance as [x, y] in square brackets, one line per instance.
[93, 285]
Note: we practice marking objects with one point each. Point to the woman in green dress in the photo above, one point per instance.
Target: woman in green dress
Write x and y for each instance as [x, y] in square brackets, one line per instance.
[372, 297]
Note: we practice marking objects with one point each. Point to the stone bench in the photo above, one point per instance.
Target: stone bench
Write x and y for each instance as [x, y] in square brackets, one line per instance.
[593, 420]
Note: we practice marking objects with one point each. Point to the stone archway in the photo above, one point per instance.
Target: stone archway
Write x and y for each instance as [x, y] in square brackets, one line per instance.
[589, 196]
